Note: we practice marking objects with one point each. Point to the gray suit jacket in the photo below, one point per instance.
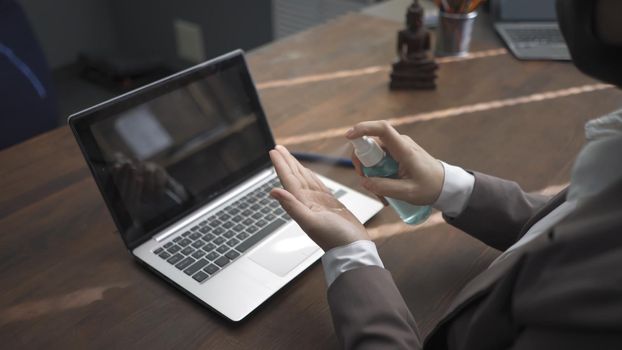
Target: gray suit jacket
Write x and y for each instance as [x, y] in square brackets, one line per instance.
[562, 290]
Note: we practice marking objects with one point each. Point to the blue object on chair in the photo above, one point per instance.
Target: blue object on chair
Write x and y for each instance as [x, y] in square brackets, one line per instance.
[27, 103]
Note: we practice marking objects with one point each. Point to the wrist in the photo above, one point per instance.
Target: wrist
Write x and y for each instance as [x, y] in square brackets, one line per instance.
[439, 180]
[348, 257]
[456, 190]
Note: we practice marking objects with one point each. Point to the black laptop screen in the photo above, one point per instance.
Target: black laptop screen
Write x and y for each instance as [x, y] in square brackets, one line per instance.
[166, 150]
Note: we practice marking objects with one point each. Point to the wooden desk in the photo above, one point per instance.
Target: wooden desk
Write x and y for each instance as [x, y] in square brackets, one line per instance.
[67, 281]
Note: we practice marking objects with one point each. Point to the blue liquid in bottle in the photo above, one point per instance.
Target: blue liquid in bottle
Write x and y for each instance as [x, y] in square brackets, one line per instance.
[376, 163]
[410, 214]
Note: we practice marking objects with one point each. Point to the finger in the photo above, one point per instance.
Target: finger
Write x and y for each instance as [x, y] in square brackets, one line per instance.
[306, 176]
[318, 183]
[288, 179]
[407, 139]
[297, 169]
[386, 187]
[312, 181]
[383, 200]
[383, 130]
[294, 207]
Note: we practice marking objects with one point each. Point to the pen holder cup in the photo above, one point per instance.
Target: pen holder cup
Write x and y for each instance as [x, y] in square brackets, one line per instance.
[453, 34]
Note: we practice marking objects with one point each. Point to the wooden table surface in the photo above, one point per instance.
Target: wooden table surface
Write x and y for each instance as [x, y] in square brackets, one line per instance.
[68, 282]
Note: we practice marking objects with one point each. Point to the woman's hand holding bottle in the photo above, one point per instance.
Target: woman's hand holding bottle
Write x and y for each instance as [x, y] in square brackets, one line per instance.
[420, 176]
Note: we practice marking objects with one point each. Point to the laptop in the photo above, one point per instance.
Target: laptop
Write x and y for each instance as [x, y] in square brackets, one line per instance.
[183, 167]
[529, 29]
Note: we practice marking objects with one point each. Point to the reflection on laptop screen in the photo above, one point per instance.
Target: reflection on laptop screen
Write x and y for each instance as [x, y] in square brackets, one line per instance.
[172, 152]
[527, 10]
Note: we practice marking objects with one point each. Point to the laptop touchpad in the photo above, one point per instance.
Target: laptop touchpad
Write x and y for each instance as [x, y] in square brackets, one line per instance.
[285, 251]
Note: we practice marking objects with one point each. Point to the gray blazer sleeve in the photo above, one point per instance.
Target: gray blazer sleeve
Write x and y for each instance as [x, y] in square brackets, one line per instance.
[496, 211]
[369, 312]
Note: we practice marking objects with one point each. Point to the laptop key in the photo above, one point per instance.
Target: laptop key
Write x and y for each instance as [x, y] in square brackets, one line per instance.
[238, 228]
[227, 224]
[222, 261]
[212, 256]
[177, 239]
[204, 230]
[174, 249]
[158, 251]
[208, 237]
[185, 263]
[232, 242]
[195, 235]
[218, 231]
[209, 247]
[175, 259]
[232, 254]
[187, 251]
[269, 217]
[261, 223]
[198, 244]
[196, 267]
[185, 234]
[164, 255]
[242, 236]
[184, 242]
[168, 245]
[229, 234]
[251, 229]
[198, 254]
[200, 276]
[211, 269]
[222, 249]
[219, 241]
[248, 221]
[261, 234]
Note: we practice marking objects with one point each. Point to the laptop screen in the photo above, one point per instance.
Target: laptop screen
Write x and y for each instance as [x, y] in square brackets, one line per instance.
[166, 150]
[526, 10]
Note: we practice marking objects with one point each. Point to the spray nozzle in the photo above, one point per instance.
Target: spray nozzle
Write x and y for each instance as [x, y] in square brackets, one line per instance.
[367, 151]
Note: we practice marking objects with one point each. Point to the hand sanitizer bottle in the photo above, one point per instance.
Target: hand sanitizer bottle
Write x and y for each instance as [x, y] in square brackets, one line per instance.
[376, 163]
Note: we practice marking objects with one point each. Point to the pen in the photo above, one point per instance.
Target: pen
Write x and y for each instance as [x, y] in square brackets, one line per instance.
[320, 158]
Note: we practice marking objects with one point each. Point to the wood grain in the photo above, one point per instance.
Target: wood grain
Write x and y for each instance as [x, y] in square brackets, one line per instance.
[67, 281]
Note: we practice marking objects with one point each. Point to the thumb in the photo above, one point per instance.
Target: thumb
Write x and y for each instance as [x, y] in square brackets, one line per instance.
[295, 208]
[386, 187]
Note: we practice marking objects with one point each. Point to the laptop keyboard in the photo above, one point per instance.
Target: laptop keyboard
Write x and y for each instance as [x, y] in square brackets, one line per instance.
[214, 242]
[535, 36]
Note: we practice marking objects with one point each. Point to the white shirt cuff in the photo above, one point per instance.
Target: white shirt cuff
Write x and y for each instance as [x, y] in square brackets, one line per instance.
[457, 188]
[348, 257]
